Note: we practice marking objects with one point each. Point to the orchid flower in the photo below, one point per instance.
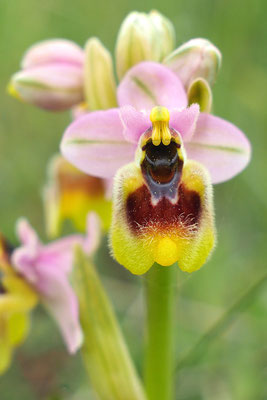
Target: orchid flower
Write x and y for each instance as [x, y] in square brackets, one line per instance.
[71, 194]
[163, 209]
[47, 267]
[101, 142]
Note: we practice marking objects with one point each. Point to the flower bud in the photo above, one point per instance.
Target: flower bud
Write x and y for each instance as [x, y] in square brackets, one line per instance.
[52, 76]
[199, 92]
[197, 58]
[52, 52]
[54, 87]
[143, 37]
[165, 33]
[70, 195]
[99, 80]
[133, 42]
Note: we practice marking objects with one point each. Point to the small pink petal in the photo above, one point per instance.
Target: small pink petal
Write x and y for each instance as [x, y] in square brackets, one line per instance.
[220, 146]
[150, 84]
[184, 121]
[26, 233]
[95, 143]
[23, 260]
[135, 123]
[61, 302]
[53, 51]
[59, 254]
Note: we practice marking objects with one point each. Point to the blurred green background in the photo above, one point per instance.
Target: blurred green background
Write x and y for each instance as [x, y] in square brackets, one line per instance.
[234, 365]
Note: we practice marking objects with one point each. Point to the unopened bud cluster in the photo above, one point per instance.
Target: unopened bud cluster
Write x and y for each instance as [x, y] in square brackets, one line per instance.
[58, 74]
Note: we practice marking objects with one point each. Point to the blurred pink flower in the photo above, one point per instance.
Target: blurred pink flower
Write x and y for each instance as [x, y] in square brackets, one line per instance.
[102, 141]
[47, 269]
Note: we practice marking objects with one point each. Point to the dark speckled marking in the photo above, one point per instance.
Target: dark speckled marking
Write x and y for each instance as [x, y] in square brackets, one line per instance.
[141, 213]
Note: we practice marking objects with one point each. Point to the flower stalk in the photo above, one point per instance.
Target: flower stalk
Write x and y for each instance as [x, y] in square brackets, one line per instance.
[160, 288]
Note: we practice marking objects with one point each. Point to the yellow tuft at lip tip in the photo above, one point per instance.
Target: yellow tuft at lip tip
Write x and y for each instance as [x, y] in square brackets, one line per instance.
[160, 117]
[166, 252]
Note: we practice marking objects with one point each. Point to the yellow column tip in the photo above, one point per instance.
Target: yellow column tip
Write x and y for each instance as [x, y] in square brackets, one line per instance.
[160, 117]
[159, 114]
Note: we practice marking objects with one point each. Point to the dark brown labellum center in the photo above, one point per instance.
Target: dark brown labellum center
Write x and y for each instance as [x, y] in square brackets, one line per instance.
[162, 169]
[162, 161]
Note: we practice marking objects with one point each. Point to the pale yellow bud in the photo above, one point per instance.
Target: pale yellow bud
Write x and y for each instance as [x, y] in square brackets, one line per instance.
[165, 33]
[143, 37]
[99, 80]
[134, 42]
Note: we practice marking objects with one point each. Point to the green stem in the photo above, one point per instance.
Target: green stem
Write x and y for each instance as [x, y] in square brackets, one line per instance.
[160, 288]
